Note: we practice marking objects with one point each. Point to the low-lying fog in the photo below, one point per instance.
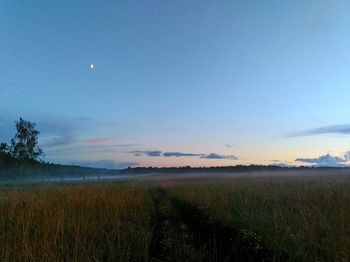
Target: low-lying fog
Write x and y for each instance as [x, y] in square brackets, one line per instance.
[299, 174]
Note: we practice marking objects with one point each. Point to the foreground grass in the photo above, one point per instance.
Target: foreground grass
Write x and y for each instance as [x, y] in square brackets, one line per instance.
[307, 220]
[302, 220]
[75, 223]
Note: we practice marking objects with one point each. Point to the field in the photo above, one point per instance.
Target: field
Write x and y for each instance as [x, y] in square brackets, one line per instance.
[182, 219]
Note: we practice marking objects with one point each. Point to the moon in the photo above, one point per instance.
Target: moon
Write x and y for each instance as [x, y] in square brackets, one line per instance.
[92, 66]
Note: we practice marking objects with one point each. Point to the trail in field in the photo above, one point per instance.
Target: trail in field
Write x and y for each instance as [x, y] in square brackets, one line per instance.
[183, 232]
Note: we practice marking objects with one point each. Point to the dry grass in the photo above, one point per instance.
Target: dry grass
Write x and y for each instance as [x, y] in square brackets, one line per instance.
[309, 219]
[75, 223]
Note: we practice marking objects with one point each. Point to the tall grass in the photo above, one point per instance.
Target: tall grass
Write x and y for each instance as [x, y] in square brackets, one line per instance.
[309, 220]
[75, 223]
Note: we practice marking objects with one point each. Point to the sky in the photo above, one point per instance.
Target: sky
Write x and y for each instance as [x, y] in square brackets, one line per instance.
[175, 83]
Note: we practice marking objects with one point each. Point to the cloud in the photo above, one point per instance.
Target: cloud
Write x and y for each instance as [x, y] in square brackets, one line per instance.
[60, 140]
[280, 163]
[334, 129]
[68, 132]
[206, 156]
[154, 153]
[104, 163]
[59, 131]
[217, 156]
[179, 154]
[347, 155]
[157, 153]
[325, 160]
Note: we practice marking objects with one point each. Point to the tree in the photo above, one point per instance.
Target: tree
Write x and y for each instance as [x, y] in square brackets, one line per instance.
[3, 148]
[5, 157]
[25, 143]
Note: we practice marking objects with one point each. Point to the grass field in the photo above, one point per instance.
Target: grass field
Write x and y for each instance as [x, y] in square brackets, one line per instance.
[178, 220]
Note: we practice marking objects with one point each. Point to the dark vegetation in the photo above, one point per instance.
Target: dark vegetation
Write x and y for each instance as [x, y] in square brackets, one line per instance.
[182, 231]
[223, 169]
[178, 220]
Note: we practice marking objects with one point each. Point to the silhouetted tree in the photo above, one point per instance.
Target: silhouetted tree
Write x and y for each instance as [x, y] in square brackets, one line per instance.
[3, 148]
[25, 143]
[5, 157]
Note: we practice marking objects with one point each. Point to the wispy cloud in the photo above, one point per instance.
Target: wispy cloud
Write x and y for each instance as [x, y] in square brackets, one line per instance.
[205, 156]
[325, 160]
[151, 153]
[218, 156]
[60, 131]
[334, 129]
[60, 140]
[179, 154]
[157, 153]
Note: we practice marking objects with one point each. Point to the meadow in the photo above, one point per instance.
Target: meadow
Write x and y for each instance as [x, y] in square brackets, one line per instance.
[240, 219]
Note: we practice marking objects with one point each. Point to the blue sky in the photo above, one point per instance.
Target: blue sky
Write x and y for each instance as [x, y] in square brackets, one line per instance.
[216, 82]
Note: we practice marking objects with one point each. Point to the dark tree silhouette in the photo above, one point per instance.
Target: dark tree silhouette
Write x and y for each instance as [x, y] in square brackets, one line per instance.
[3, 148]
[25, 143]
